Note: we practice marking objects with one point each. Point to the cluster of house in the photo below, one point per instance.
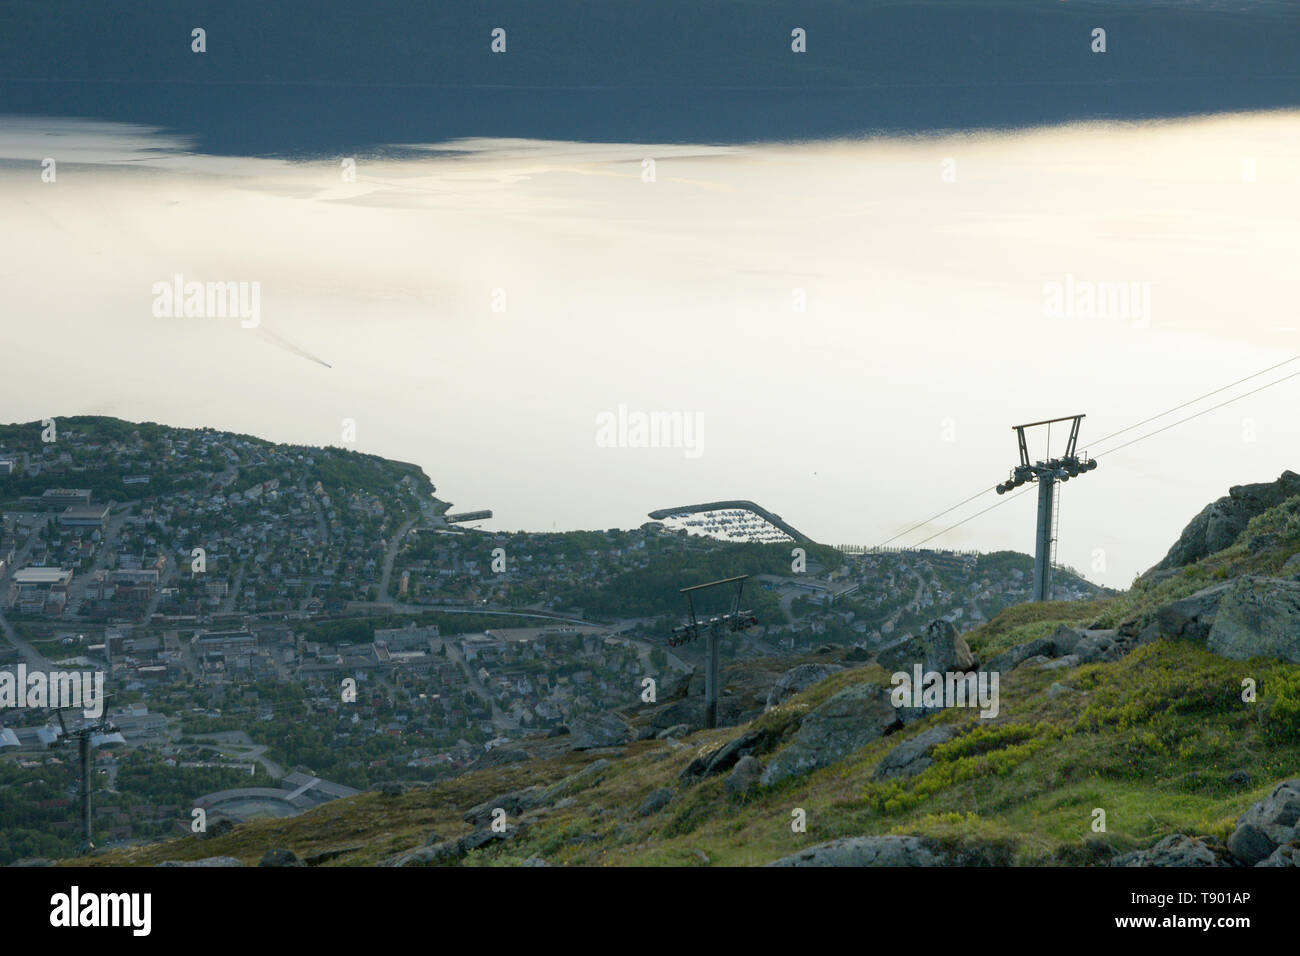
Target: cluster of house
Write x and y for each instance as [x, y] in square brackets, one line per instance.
[295, 543]
[463, 569]
[542, 677]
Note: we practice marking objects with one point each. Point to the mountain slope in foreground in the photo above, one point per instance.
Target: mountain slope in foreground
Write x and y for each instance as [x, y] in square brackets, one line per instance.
[1156, 727]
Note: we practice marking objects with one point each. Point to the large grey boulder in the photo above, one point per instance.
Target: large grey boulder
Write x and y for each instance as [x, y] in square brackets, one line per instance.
[1283, 856]
[1221, 522]
[674, 683]
[206, 861]
[1066, 647]
[513, 803]
[516, 802]
[599, 730]
[687, 712]
[839, 726]
[279, 856]
[656, 801]
[937, 648]
[798, 678]
[676, 730]
[1100, 646]
[1179, 850]
[1278, 814]
[1258, 617]
[485, 836]
[745, 776]
[868, 851]
[913, 756]
[1250, 844]
[1012, 658]
[1190, 618]
[725, 757]
[436, 854]
[588, 776]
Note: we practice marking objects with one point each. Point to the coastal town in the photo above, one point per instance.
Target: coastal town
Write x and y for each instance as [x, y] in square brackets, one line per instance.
[267, 616]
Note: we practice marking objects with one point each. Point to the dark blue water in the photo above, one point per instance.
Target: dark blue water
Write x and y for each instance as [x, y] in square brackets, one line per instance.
[329, 77]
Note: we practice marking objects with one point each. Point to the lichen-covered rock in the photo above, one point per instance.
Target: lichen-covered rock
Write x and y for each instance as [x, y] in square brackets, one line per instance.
[656, 801]
[1179, 850]
[841, 725]
[1221, 522]
[868, 851]
[1258, 617]
[206, 861]
[605, 729]
[1278, 814]
[745, 776]
[796, 679]
[913, 756]
[1250, 844]
[1190, 618]
[1012, 658]
[725, 757]
[1288, 855]
[281, 857]
[937, 648]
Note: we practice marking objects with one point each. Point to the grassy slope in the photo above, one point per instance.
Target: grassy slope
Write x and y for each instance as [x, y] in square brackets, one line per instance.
[1151, 739]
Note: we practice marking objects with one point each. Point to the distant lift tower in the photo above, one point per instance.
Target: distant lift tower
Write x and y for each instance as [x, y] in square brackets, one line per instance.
[1046, 473]
[731, 622]
[88, 736]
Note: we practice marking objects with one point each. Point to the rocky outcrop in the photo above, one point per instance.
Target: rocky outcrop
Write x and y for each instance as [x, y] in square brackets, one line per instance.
[517, 802]
[1250, 844]
[1268, 834]
[841, 725]
[655, 802]
[798, 678]
[1104, 645]
[676, 730]
[218, 828]
[896, 851]
[1067, 647]
[1221, 522]
[1179, 850]
[1288, 855]
[206, 861]
[1189, 618]
[1270, 827]
[450, 851]
[725, 757]
[1258, 617]
[745, 776]
[1012, 658]
[513, 803]
[937, 648]
[600, 730]
[868, 851]
[588, 776]
[281, 857]
[324, 856]
[914, 756]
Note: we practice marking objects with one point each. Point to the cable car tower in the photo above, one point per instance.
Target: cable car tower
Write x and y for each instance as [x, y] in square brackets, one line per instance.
[1047, 474]
[733, 621]
[87, 736]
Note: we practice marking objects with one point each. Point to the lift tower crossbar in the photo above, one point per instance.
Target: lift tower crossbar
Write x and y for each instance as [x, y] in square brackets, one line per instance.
[1047, 473]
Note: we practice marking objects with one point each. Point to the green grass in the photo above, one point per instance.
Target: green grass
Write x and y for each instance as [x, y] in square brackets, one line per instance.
[1150, 739]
